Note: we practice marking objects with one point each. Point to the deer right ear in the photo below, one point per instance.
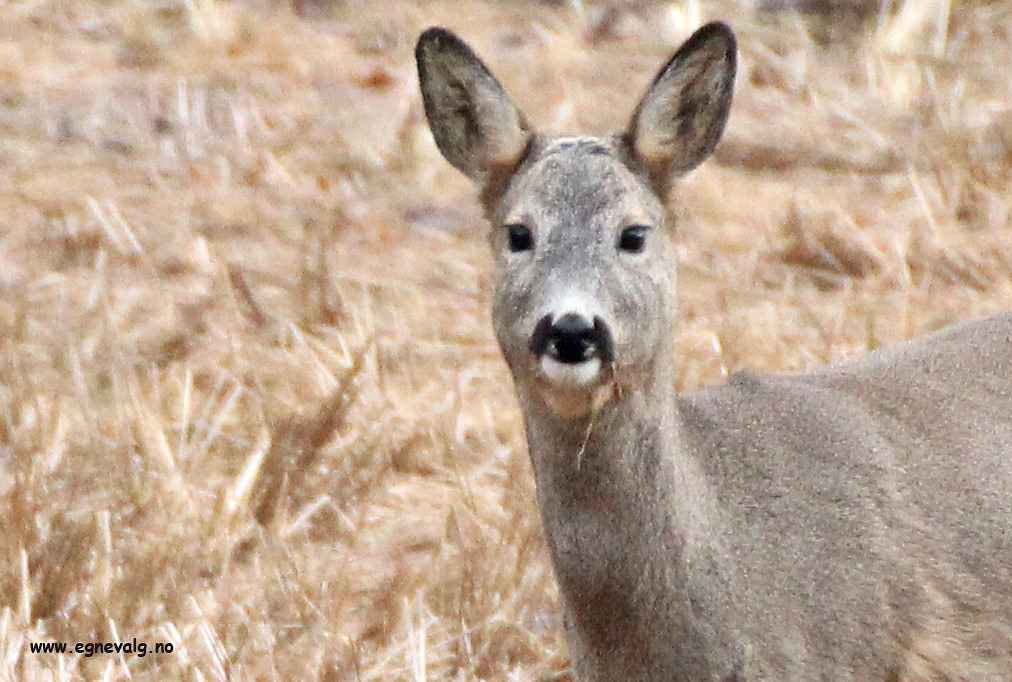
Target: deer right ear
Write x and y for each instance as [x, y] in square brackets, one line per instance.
[474, 123]
[682, 115]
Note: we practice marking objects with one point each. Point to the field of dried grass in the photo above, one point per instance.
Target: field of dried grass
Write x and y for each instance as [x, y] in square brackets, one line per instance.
[250, 403]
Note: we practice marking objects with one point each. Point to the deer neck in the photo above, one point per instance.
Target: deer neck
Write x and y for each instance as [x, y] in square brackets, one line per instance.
[630, 520]
[623, 457]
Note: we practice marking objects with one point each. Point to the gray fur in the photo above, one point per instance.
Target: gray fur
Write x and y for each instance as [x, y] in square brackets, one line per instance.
[474, 123]
[850, 524]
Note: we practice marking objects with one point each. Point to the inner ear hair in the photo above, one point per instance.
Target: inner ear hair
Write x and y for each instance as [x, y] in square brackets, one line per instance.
[473, 121]
[682, 116]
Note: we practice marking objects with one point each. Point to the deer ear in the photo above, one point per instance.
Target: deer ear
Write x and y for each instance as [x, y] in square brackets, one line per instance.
[682, 115]
[474, 123]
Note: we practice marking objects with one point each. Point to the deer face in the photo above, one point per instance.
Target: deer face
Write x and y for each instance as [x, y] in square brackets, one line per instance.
[584, 278]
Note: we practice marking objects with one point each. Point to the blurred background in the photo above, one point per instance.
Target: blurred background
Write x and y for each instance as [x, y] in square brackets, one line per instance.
[250, 403]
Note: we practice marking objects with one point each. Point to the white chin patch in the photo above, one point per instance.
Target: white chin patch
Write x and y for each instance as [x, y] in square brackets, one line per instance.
[571, 375]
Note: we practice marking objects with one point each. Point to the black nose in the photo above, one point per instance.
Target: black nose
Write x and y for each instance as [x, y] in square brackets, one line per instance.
[572, 339]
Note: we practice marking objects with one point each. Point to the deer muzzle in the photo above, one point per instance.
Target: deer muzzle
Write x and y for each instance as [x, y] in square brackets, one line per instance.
[571, 349]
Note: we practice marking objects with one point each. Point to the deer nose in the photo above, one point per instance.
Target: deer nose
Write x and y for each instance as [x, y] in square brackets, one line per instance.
[572, 339]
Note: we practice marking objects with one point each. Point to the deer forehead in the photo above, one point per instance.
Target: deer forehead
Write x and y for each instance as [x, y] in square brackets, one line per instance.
[579, 181]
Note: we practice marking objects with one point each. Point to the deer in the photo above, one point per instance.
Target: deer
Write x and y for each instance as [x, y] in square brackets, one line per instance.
[851, 523]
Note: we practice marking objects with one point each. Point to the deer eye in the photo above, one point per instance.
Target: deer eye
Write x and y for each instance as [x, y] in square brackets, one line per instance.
[520, 237]
[633, 239]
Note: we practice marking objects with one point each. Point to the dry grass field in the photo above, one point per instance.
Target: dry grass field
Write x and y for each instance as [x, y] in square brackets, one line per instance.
[250, 402]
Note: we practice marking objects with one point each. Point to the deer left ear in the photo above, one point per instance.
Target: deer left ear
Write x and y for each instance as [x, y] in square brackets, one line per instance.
[682, 115]
[474, 122]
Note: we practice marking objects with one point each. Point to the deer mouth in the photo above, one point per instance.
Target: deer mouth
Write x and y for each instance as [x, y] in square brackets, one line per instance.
[572, 351]
[570, 375]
